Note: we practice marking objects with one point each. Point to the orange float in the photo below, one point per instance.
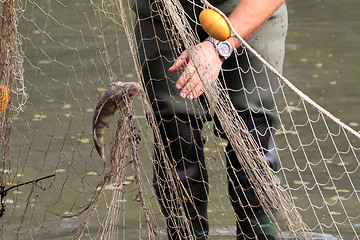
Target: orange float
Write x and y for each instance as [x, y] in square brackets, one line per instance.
[214, 24]
[4, 98]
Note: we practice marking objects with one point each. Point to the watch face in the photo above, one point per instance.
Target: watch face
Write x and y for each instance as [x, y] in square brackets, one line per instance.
[224, 49]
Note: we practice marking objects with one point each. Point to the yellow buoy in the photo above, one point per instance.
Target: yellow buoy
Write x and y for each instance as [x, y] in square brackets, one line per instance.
[214, 24]
[4, 98]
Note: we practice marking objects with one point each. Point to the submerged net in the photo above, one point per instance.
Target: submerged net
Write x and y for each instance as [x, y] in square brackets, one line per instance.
[55, 186]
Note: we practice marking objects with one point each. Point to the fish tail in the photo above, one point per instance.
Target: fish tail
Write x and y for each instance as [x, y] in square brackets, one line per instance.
[111, 165]
[98, 146]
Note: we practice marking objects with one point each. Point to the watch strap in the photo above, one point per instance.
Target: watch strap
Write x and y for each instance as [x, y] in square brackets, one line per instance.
[216, 43]
[213, 40]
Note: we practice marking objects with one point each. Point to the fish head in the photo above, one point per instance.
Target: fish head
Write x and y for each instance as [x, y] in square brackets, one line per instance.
[130, 88]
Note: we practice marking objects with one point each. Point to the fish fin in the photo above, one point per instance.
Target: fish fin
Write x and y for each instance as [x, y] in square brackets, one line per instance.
[98, 144]
[111, 165]
[100, 151]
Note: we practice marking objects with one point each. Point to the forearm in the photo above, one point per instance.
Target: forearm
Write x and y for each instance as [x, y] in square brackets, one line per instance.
[247, 18]
[250, 15]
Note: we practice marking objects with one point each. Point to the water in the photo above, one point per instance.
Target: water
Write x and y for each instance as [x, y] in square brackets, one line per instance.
[321, 59]
[321, 56]
[322, 52]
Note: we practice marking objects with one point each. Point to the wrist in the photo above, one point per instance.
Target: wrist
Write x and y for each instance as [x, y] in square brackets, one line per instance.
[214, 52]
[234, 42]
[223, 49]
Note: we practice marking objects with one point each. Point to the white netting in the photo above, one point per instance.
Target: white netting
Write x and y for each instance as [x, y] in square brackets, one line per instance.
[54, 185]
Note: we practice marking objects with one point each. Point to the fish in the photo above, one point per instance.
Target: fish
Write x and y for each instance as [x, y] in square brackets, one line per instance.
[111, 101]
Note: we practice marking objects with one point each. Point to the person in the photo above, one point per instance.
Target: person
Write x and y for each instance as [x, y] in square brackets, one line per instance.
[174, 90]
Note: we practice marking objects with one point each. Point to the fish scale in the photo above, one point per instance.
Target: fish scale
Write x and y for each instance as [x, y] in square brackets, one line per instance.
[109, 102]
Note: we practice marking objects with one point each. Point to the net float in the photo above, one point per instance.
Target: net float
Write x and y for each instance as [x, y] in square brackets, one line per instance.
[4, 98]
[214, 24]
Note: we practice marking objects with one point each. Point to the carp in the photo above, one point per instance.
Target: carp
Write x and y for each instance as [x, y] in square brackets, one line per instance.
[111, 101]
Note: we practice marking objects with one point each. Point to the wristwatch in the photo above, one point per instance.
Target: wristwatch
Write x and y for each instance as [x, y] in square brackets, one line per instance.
[223, 49]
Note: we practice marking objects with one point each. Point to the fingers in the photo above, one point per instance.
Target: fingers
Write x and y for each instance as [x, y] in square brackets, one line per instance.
[179, 62]
[190, 83]
[187, 75]
[196, 91]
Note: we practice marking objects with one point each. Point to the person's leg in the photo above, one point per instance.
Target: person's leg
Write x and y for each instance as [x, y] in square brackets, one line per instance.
[180, 123]
[183, 144]
[252, 89]
[251, 220]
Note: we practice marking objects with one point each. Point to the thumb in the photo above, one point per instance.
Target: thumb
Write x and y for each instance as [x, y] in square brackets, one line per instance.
[179, 62]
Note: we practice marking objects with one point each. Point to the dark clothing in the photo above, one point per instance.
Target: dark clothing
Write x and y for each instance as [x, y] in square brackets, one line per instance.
[180, 121]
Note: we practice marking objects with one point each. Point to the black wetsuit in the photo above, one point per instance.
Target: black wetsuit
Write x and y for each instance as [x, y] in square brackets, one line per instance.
[180, 121]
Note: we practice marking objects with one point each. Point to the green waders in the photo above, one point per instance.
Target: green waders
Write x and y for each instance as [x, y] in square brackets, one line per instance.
[180, 122]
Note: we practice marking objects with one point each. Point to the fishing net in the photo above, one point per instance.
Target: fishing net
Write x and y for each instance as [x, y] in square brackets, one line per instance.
[57, 57]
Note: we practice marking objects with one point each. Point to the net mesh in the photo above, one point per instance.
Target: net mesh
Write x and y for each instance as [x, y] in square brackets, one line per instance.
[57, 57]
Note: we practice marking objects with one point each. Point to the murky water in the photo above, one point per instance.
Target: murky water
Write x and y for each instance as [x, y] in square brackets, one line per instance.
[321, 59]
[322, 51]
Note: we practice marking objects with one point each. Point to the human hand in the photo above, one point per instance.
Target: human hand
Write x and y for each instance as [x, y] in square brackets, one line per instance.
[207, 61]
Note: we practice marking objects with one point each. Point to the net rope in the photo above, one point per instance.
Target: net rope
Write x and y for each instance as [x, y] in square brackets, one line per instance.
[58, 56]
